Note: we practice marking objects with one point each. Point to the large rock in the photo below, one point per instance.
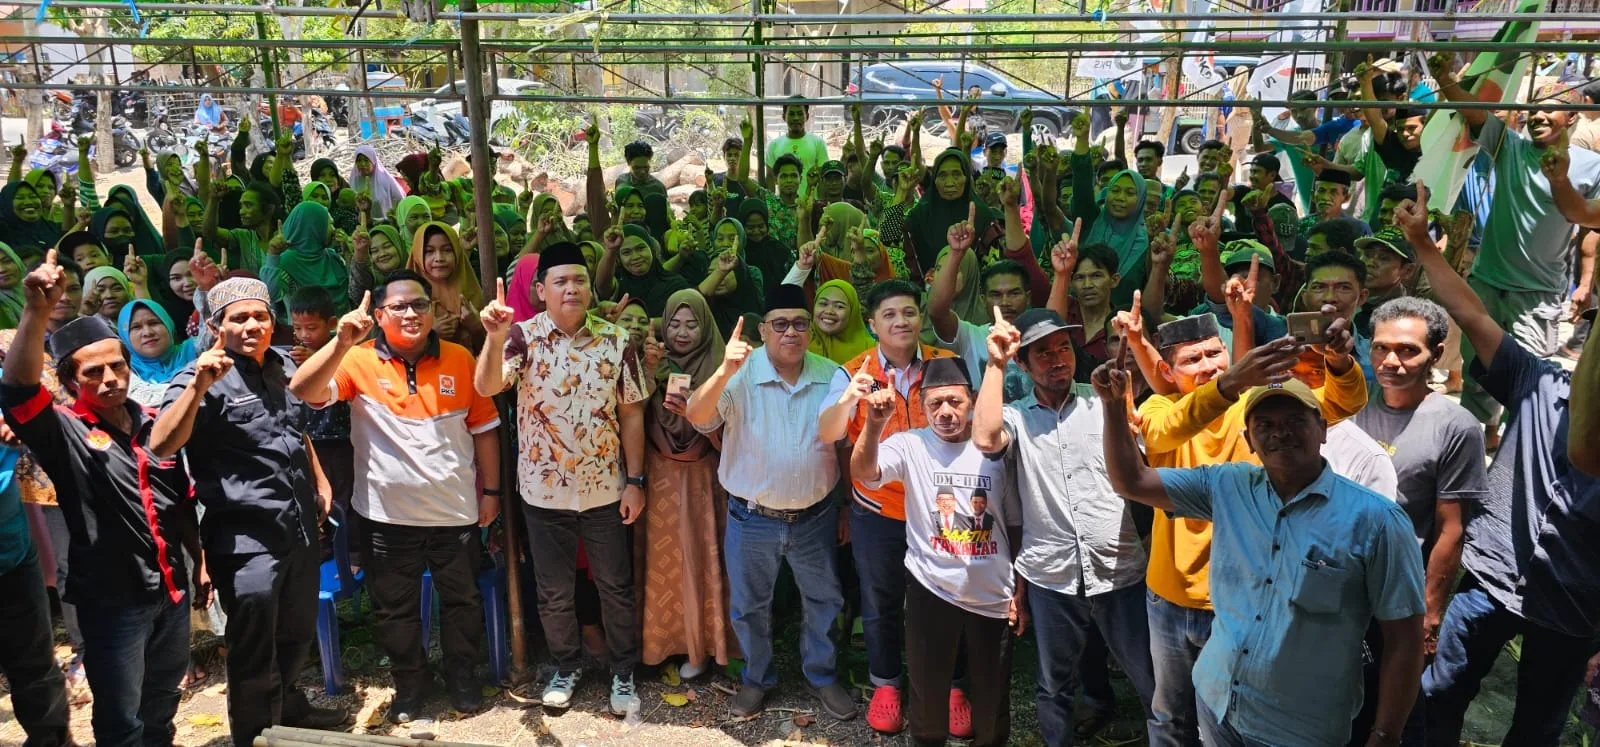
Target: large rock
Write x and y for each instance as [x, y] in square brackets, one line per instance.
[679, 195]
[687, 170]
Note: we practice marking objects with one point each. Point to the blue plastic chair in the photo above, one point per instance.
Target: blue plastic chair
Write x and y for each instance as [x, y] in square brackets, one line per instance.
[492, 587]
[337, 583]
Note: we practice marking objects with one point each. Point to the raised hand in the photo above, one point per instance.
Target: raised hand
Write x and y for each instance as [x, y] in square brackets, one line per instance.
[960, 235]
[880, 405]
[1340, 341]
[1182, 181]
[737, 350]
[1010, 193]
[1080, 126]
[1411, 217]
[1366, 71]
[364, 202]
[1121, 118]
[211, 365]
[136, 271]
[20, 150]
[1555, 162]
[45, 286]
[1207, 232]
[1162, 249]
[1441, 67]
[1241, 294]
[1272, 363]
[861, 385]
[614, 314]
[354, 326]
[84, 143]
[654, 353]
[497, 315]
[808, 255]
[1004, 340]
[728, 260]
[1064, 255]
[278, 243]
[205, 272]
[747, 130]
[361, 245]
[612, 240]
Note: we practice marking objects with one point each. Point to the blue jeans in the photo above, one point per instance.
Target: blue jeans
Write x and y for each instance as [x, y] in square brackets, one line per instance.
[1474, 631]
[878, 544]
[1176, 636]
[1222, 734]
[134, 656]
[1061, 624]
[755, 548]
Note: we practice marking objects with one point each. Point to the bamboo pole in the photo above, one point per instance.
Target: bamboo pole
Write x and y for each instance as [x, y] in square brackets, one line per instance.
[343, 739]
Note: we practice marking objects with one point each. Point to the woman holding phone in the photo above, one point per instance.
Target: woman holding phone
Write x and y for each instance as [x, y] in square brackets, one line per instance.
[679, 542]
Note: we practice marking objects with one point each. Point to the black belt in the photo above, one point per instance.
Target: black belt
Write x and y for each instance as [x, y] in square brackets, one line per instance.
[789, 516]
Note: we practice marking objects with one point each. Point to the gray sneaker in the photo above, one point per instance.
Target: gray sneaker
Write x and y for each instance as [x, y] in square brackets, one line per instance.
[558, 694]
[835, 701]
[747, 702]
[623, 696]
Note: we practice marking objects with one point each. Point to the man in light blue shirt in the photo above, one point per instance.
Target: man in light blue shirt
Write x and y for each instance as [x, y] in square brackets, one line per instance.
[1301, 561]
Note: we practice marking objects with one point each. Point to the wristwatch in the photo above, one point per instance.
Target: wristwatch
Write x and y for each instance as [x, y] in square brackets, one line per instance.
[636, 480]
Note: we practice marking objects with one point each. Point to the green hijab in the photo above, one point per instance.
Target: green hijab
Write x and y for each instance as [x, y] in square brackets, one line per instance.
[853, 339]
[656, 285]
[11, 299]
[308, 260]
[404, 208]
[746, 297]
[401, 248]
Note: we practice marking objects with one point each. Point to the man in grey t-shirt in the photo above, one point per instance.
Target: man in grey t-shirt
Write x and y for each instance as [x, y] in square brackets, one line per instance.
[962, 522]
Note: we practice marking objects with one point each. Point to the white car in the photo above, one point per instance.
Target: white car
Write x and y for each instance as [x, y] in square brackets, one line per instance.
[450, 99]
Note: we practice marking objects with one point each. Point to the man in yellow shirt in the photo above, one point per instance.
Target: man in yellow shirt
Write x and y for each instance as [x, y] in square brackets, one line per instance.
[1205, 425]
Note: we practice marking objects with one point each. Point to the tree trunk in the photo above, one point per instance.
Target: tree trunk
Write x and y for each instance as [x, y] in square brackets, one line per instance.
[33, 102]
[1174, 81]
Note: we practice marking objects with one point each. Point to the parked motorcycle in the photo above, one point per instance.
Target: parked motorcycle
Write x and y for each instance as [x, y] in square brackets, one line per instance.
[441, 133]
[321, 129]
[56, 153]
[126, 143]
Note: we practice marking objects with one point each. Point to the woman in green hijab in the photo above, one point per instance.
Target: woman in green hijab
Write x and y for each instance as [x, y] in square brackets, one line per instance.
[24, 212]
[1118, 222]
[840, 331]
[732, 288]
[410, 214]
[11, 300]
[306, 259]
[512, 222]
[636, 267]
[375, 255]
[946, 202]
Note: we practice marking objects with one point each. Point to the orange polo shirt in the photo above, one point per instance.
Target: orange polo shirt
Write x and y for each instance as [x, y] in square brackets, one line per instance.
[888, 499]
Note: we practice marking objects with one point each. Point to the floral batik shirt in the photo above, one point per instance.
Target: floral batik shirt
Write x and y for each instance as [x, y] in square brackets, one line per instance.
[569, 438]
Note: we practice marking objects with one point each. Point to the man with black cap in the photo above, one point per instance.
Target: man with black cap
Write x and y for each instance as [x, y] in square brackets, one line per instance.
[1081, 561]
[1240, 258]
[264, 497]
[961, 590]
[127, 513]
[1304, 559]
[581, 392]
[1261, 192]
[1391, 264]
[1201, 426]
[778, 473]
[1396, 133]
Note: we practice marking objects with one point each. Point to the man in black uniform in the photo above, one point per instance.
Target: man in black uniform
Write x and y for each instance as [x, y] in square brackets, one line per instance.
[263, 495]
[127, 512]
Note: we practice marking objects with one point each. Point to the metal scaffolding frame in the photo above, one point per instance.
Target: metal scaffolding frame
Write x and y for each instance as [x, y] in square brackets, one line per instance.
[763, 37]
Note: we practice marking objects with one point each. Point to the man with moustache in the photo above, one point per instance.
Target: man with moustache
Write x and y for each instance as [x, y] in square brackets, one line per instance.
[264, 496]
[1081, 561]
[420, 512]
[962, 588]
[778, 472]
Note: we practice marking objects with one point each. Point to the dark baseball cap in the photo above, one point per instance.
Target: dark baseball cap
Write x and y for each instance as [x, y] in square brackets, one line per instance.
[1267, 162]
[832, 167]
[995, 139]
[1391, 239]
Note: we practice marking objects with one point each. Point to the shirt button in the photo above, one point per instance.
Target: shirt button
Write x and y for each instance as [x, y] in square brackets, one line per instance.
[1269, 582]
[1258, 618]
[1275, 548]
[1245, 651]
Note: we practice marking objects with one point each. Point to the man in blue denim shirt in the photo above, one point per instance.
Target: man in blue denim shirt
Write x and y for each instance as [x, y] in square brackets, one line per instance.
[1301, 561]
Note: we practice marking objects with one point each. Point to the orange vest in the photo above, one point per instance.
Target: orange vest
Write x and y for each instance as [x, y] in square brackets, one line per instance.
[888, 499]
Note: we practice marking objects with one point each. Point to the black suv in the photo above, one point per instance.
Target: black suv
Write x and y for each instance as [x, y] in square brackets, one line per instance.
[880, 85]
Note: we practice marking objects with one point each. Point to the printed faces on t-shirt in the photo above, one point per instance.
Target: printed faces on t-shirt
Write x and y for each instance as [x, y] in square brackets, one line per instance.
[963, 518]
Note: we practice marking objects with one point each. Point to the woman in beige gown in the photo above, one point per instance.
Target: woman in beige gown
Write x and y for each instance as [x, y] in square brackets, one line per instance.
[679, 543]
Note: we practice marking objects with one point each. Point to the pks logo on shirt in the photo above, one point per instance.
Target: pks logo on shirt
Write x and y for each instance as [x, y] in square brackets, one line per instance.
[447, 386]
[98, 439]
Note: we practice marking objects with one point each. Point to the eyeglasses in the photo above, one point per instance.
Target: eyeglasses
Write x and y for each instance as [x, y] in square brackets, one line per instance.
[782, 326]
[420, 306]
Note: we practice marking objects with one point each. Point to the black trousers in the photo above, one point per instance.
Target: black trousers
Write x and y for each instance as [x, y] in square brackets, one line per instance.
[27, 656]
[395, 558]
[338, 465]
[553, 544]
[935, 631]
[271, 601]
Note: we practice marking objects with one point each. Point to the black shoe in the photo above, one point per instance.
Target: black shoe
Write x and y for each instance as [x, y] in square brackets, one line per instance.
[466, 698]
[836, 702]
[319, 718]
[405, 707]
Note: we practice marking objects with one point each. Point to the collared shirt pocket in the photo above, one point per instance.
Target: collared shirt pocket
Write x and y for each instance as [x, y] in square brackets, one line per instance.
[1321, 587]
[244, 411]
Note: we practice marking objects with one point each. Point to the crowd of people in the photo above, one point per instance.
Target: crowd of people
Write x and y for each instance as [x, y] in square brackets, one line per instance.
[1201, 429]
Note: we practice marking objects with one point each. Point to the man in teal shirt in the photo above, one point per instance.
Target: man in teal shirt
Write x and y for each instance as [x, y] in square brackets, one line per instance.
[1301, 561]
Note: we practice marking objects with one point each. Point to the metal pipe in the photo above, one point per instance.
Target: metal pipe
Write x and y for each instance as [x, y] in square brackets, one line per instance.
[795, 19]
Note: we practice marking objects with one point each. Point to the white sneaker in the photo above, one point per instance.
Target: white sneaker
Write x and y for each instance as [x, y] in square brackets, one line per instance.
[558, 694]
[688, 670]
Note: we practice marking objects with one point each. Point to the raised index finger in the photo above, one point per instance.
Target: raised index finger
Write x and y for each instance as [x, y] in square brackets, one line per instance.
[366, 302]
[1077, 227]
[500, 290]
[50, 257]
[1255, 270]
[972, 212]
[738, 327]
[1222, 201]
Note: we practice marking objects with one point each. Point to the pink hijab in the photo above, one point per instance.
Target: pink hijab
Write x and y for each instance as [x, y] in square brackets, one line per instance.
[519, 294]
